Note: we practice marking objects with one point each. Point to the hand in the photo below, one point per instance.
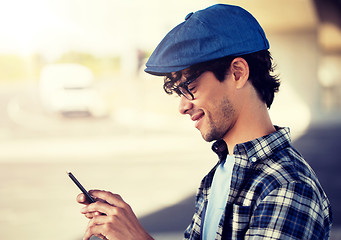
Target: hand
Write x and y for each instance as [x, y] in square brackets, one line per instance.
[111, 218]
[81, 198]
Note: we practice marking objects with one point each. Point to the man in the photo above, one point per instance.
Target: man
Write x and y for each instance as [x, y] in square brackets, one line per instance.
[218, 62]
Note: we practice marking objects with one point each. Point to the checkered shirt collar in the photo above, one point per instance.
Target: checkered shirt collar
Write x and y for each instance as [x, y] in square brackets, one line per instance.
[259, 149]
[263, 147]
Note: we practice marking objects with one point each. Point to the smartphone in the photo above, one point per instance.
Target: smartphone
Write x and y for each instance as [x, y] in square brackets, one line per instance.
[87, 195]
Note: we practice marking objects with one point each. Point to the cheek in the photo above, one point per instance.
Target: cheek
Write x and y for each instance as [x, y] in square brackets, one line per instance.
[223, 111]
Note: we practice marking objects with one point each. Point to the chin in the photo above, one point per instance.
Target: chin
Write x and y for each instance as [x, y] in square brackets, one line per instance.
[212, 135]
[208, 138]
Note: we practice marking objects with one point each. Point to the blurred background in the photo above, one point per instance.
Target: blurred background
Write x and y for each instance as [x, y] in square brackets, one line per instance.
[73, 96]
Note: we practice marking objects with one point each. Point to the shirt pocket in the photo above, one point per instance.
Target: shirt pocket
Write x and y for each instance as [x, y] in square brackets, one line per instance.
[240, 220]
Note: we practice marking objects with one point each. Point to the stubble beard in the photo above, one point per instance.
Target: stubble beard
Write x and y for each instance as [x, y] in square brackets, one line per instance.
[220, 123]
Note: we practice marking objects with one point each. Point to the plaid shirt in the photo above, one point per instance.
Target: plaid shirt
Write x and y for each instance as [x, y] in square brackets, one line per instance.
[274, 194]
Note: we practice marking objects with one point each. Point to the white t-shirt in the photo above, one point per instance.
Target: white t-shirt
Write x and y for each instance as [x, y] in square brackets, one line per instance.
[218, 197]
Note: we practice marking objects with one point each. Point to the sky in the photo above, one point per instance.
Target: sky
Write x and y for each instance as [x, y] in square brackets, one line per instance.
[102, 27]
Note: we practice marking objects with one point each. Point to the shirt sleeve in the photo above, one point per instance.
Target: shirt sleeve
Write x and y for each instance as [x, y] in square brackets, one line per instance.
[292, 211]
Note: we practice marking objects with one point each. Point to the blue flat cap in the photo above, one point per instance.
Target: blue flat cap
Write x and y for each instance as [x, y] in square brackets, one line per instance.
[217, 31]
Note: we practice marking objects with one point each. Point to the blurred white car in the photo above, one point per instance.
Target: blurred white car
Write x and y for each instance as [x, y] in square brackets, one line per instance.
[69, 89]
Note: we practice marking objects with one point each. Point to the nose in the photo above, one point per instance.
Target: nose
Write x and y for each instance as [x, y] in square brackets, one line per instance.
[185, 105]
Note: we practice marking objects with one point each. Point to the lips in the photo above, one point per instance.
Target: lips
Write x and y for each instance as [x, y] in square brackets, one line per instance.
[197, 118]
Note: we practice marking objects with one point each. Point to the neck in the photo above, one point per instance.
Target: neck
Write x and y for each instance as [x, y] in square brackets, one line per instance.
[253, 122]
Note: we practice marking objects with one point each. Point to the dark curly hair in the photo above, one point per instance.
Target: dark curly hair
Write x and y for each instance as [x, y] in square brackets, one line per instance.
[261, 73]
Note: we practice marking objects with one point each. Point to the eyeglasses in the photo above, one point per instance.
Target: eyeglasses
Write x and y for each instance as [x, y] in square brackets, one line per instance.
[183, 90]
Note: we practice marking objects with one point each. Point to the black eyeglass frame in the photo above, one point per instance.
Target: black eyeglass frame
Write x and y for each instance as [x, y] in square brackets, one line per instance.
[182, 88]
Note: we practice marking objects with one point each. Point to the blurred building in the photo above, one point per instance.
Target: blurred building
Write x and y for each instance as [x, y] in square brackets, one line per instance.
[305, 41]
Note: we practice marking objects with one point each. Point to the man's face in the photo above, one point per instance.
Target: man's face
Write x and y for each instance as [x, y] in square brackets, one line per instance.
[212, 108]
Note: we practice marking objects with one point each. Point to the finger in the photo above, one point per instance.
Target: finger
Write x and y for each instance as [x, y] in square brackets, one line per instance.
[82, 199]
[98, 226]
[111, 198]
[94, 230]
[92, 214]
[101, 207]
[98, 220]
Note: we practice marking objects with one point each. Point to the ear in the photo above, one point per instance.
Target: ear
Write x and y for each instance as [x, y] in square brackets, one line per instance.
[240, 70]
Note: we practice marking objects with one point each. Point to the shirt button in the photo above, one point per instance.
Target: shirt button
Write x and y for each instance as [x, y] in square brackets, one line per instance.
[253, 159]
